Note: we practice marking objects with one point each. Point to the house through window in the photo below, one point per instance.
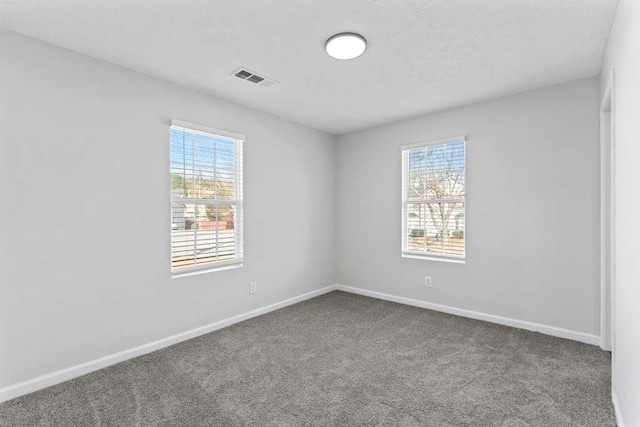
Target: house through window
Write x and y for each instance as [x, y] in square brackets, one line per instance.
[206, 198]
[433, 199]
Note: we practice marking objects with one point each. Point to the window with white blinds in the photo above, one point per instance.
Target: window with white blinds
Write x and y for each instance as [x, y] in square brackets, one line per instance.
[206, 198]
[433, 199]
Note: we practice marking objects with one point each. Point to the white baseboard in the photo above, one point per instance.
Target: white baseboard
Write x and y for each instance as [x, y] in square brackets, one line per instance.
[616, 408]
[530, 326]
[38, 383]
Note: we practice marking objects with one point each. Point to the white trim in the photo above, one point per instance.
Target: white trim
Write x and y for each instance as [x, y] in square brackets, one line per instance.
[192, 270]
[434, 142]
[57, 377]
[433, 257]
[43, 381]
[530, 326]
[616, 409]
[206, 129]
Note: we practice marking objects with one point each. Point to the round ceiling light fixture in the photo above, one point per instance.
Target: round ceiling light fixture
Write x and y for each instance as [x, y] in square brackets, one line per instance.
[345, 46]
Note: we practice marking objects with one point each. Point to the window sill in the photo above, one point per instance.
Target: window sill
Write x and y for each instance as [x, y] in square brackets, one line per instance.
[452, 260]
[175, 274]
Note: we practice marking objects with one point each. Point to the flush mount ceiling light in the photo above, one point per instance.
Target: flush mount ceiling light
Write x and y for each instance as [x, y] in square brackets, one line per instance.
[345, 46]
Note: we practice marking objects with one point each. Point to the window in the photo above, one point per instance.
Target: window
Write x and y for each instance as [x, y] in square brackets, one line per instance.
[206, 198]
[433, 193]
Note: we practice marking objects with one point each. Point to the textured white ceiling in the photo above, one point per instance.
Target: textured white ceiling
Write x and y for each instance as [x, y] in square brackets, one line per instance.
[423, 56]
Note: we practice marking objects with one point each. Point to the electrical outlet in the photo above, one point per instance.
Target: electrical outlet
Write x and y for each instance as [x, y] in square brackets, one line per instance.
[252, 288]
[427, 281]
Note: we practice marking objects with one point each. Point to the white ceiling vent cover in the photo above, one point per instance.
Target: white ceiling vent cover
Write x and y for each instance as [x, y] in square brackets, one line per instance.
[250, 76]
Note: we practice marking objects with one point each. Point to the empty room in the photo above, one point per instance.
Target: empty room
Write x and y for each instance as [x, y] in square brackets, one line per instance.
[319, 213]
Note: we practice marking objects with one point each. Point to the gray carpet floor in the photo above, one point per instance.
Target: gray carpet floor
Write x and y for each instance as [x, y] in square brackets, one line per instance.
[340, 359]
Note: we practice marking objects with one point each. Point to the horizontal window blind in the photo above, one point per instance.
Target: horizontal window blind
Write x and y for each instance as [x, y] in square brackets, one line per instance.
[206, 199]
[433, 199]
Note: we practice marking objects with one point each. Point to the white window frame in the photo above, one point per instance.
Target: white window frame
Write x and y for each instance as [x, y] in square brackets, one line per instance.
[431, 256]
[238, 203]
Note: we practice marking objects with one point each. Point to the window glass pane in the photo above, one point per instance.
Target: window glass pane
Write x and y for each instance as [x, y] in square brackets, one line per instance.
[181, 163]
[225, 170]
[203, 166]
[417, 176]
[202, 233]
[416, 228]
[226, 243]
[436, 172]
[454, 176]
[182, 234]
[204, 163]
[436, 228]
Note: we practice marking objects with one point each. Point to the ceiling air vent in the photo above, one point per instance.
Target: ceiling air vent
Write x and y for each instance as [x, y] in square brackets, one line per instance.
[250, 76]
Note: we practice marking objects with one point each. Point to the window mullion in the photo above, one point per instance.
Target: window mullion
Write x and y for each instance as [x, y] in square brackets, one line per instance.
[195, 206]
[445, 193]
[215, 193]
[215, 169]
[217, 230]
[442, 227]
[184, 166]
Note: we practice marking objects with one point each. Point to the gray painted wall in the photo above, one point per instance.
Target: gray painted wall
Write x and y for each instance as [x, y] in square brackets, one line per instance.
[532, 209]
[84, 254]
[84, 176]
[623, 56]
